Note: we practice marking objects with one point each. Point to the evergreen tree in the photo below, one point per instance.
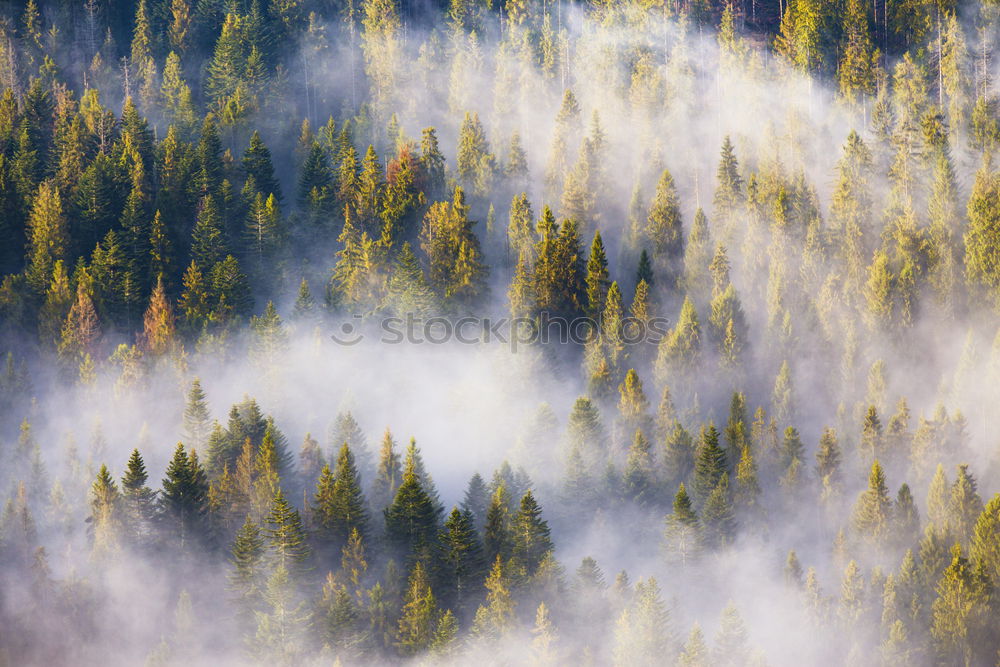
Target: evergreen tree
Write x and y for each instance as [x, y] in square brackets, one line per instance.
[462, 564]
[718, 515]
[286, 537]
[411, 521]
[183, 498]
[247, 579]
[530, 533]
[105, 514]
[416, 624]
[642, 633]
[597, 276]
[664, 229]
[197, 419]
[961, 612]
[138, 499]
[683, 534]
[710, 463]
[339, 506]
[873, 509]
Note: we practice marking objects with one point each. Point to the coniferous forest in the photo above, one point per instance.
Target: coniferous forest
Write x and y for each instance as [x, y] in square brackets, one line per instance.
[273, 275]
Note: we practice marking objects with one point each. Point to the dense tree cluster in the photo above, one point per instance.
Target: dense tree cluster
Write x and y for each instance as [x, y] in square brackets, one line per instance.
[193, 185]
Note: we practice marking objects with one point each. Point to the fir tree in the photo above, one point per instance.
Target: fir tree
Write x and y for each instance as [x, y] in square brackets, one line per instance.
[683, 534]
[286, 537]
[411, 521]
[247, 579]
[138, 499]
[183, 498]
[530, 533]
[873, 509]
[416, 624]
[710, 463]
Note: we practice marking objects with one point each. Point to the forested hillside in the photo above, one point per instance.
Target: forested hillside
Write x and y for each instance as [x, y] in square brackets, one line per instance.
[629, 332]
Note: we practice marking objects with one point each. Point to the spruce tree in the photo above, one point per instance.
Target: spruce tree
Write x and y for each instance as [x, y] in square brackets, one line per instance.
[664, 229]
[530, 533]
[476, 500]
[286, 537]
[710, 463]
[462, 565]
[105, 514]
[497, 537]
[139, 500]
[416, 623]
[718, 516]
[247, 579]
[339, 506]
[411, 521]
[597, 276]
[872, 511]
[183, 498]
[683, 536]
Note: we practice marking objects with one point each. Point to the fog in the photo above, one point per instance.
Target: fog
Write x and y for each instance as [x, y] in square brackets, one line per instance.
[472, 407]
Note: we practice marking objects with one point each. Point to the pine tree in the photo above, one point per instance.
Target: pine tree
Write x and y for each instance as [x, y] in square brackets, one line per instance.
[81, 331]
[828, 457]
[462, 563]
[981, 236]
[388, 475]
[416, 624]
[411, 521]
[476, 500]
[495, 619]
[47, 234]
[207, 240]
[280, 628]
[710, 463]
[731, 644]
[497, 536]
[718, 515]
[873, 509]
[695, 653]
[257, 165]
[965, 505]
[158, 323]
[664, 229]
[197, 419]
[678, 454]
[543, 651]
[262, 232]
[683, 534]
[905, 518]
[105, 514]
[339, 507]
[729, 188]
[286, 537]
[871, 435]
[183, 498]
[680, 350]
[339, 615]
[138, 499]
[408, 291]
[531, 539]
[642, 633]
[960, 613]
[597, 276]
[855, 72]
[792, 449]
[985, 543]
[638, 481]
[247, 579]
